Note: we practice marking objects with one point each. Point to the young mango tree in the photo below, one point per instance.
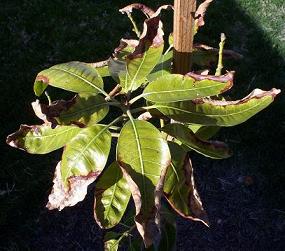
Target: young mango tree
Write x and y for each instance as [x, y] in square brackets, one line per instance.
[152, 117]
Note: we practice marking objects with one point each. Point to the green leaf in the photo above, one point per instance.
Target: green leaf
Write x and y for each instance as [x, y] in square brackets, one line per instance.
[204, 132]
[86, 109]
[144, 156]
[211, 149]
[132, 70]
[86, 153]
[179, 186]
[175, 87]
[102, 68]
[111, 241]
[42, 139]
[73, 76]
[162, 68]
[219, 113]
[112, 195]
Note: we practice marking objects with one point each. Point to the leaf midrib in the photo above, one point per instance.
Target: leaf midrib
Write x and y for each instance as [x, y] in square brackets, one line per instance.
[80, 77]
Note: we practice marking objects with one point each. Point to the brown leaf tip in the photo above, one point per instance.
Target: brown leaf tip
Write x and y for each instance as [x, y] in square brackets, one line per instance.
[14, 139]
[42, 78]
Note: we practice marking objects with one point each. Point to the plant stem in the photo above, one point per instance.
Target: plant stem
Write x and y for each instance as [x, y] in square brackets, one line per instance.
[118, 119]
[141, 109]
[48, 97]
[136, 98]
[115, 135]
[115, 128]
[136, 30]
[220, 62]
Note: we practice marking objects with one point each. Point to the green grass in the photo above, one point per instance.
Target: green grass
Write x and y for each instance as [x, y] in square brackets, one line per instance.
[37, 34]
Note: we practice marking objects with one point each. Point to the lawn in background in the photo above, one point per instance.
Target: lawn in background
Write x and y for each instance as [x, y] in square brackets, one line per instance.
[37, 34]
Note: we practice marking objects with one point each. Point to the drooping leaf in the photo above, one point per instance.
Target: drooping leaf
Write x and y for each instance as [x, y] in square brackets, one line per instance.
[180, 189]
[219, 113]
[211, 149]
[133, 70]
[42, 139]
[204, 55]
[144, 157]
[176, 87]
[61, 196]
[162, 68]
[87, 152]
[77, 77]
[82, 109]
[112, 195]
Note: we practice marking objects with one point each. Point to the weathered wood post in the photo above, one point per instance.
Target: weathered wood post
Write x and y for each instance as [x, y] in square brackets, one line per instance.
[184, 12]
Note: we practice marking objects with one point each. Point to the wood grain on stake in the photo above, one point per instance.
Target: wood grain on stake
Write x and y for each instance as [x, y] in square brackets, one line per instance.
[184, 11]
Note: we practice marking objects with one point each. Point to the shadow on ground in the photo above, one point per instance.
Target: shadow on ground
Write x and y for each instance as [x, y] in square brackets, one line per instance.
[244, 196]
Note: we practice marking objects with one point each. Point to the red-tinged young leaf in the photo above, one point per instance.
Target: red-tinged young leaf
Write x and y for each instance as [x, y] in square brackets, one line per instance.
[180, 189]
[77, 77]
[144, 167]
[112, 195]
[81, 110]
[86, 153]
[176, 87]
[62, 197]
[211, 149]
[219, 113]
[42, 139]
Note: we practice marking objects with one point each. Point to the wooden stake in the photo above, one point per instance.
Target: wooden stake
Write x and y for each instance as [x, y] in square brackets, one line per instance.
[184, 12]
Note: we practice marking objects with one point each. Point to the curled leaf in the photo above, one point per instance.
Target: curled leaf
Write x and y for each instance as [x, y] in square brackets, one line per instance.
[82, 110]
[219, 113]
[201, 11]
[133, 61]
[138, 6]
[176, 87]
[180, 189]
[62, 197]
[211, 149]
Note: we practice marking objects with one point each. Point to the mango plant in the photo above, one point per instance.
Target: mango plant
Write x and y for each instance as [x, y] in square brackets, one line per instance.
[153, 118]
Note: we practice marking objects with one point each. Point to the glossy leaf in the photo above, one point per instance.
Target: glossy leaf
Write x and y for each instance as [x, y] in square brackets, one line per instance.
[102, 68]
[219, 113]
[87, 152]
[144, 166]
[112, 195]
[175, 87]
[162, 68]
[180, 189]
[211, 149]
[133, 70]
[73, 76]
[42, 139]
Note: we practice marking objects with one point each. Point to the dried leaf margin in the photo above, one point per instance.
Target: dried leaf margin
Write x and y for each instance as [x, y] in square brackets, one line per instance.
[61, 197]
